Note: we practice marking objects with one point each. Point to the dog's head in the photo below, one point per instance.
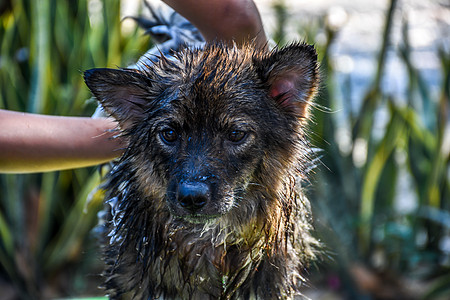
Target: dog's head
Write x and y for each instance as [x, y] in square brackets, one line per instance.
[212, 125]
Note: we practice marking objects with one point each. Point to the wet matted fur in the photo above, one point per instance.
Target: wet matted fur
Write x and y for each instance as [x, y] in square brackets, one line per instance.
[206, 201]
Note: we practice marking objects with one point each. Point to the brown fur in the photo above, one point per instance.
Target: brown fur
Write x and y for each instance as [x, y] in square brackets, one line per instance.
[228, 124]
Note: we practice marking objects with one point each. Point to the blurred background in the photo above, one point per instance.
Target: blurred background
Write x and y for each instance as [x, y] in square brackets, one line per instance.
[381, 186]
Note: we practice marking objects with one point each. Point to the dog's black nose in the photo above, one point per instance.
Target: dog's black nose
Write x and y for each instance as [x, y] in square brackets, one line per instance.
[193, 195]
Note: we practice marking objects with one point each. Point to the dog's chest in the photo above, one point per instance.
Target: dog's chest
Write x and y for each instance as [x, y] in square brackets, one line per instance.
[189, 267]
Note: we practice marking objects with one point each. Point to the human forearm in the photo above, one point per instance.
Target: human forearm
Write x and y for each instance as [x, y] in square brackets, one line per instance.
[226, 20]
[38, 143]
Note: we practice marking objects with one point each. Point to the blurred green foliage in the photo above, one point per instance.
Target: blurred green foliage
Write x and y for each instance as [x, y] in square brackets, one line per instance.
[45, 219]
[355, 202]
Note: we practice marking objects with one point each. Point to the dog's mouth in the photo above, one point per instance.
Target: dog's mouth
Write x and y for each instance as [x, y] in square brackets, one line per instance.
[200, 218]
[209, 213]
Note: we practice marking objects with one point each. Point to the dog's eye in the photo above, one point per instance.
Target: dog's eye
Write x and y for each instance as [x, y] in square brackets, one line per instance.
[168, 135]
[237, 136]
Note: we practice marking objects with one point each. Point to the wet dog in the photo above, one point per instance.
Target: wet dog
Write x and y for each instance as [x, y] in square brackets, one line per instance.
[206, 201]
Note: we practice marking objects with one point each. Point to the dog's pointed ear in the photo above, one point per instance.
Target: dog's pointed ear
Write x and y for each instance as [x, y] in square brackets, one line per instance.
[123, 93]
[291, 76]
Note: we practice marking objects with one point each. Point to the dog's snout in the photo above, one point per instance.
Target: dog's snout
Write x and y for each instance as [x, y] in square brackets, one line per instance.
[193, 195]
